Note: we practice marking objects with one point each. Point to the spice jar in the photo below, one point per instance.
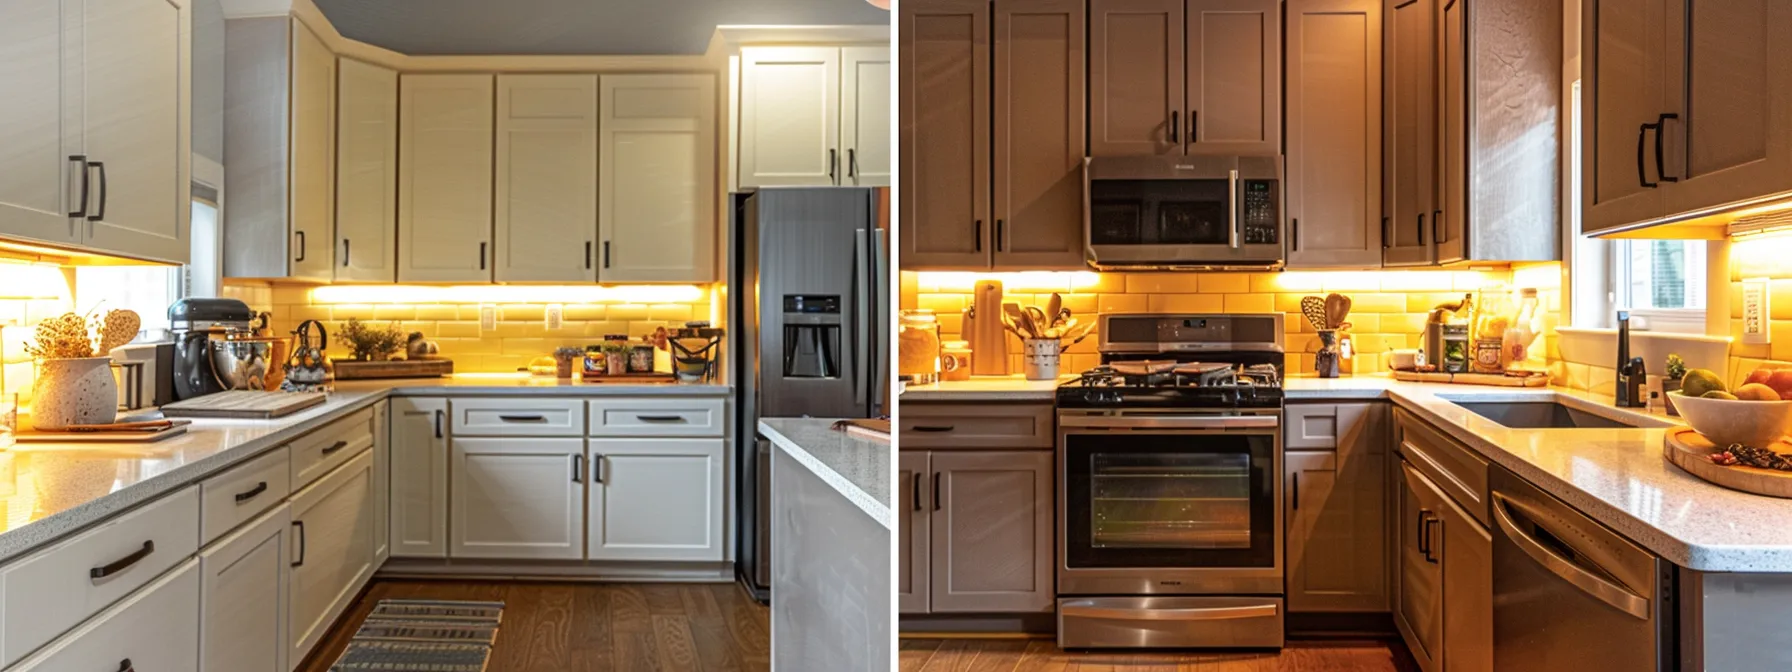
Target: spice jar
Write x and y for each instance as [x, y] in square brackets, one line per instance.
[918, 345]
[955, 360]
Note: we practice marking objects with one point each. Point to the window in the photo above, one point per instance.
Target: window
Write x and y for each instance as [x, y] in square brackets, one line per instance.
[148, 290]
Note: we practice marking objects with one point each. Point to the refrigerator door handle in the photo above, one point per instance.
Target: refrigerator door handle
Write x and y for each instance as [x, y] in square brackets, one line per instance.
[878, 368]
[861, 268]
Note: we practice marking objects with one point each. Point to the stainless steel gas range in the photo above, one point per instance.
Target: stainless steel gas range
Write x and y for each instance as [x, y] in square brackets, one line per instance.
[1169, 463]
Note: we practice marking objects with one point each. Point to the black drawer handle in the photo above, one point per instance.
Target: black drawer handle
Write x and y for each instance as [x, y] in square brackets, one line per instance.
[300, 525]
[252, 493]
[934, 428]
[523, 418]
[661, 418]
[1296, 492]
[339, 445]
[123, 563]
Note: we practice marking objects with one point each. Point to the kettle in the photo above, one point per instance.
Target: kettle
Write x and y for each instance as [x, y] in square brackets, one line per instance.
[307, 368]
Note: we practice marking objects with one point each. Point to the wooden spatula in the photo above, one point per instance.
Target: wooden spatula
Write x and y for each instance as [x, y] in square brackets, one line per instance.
[1313, 308]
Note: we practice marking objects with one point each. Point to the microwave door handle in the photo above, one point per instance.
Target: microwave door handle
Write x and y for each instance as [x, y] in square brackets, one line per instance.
[1236, 203]
[861, 253]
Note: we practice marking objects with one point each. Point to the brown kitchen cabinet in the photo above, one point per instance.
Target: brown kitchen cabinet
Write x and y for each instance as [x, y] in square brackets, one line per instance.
[1409, 158]
[1334, 163]
[1336, 499]
[943, 128]
[1171, 77]
[1418, 573]
[981, 539]
[912, 533]
[1444, 579]
[1039, 128]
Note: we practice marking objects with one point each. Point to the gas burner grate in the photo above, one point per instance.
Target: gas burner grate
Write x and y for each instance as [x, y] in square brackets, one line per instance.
[1185, 376]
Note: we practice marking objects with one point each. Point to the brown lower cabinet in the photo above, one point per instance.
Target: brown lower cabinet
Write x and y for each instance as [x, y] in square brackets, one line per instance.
[1336, 508]
[975, 535]
[1443, 591]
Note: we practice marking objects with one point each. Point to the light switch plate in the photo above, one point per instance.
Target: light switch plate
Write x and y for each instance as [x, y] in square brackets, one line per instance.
[488, 317]
[1755, 309]
[552, 316]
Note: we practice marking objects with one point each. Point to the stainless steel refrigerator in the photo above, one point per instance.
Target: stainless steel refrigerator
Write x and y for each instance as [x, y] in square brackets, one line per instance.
[810, 310]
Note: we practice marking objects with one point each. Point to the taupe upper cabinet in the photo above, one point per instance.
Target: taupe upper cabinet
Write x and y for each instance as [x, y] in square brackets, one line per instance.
[944, 166]
[1173, 78]
[1333, 166]
[1409, 183]
[1039, 134]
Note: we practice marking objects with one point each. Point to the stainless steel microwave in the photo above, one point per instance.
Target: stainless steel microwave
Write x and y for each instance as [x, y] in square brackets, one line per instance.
[1183, 212]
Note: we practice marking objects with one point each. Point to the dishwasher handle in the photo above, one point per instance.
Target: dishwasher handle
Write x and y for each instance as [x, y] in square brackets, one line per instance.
[1619, 597]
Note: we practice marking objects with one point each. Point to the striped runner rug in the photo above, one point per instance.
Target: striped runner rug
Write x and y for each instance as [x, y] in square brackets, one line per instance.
[423, 636]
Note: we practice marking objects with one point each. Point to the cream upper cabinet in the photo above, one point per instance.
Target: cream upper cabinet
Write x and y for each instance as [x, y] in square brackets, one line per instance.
[789, 116]
[313, 154]
[279, 151]
[366, 172]
[657, 186]
[865, 106]
[38, 160]
[445, 178]
[546, 178]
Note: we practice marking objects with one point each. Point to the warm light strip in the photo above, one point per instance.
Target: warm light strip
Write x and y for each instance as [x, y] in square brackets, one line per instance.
[28, 281]
[408, 294]
[1025, 281]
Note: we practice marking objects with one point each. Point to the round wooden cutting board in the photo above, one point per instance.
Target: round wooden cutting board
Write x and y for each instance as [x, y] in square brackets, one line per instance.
[1691, 451]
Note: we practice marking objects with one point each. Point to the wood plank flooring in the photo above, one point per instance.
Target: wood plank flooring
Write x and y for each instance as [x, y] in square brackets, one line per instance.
[989, 655]
[593, 627]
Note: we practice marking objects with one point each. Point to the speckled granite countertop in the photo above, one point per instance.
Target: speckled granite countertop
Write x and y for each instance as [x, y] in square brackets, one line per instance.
[61, 489]
[858, 468]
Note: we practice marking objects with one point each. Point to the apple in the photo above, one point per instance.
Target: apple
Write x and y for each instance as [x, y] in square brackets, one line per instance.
[1759, 376]
[1781, 382]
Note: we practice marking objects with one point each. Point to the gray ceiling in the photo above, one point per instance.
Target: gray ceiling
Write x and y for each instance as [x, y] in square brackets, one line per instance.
[427, 27]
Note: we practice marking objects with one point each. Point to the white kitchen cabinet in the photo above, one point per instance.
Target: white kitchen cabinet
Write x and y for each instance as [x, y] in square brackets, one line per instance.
[242, 617]
[313, 154]
[657, 178]
[35, 198]
[789, 116]
[546, 214]
[656, 499]
[419, 440]
[382, 487]
[865, 115]
[332, 556]
[156, 628]
[279, 151]
[445, 178]
[366, 172]
[517, 499]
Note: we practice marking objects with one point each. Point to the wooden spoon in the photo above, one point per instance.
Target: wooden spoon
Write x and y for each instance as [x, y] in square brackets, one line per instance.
[1018, 318]
[1052, 308]
[1337, 307]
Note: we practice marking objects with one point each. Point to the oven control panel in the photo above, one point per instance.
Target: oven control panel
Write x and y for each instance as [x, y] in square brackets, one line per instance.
[1260, 209]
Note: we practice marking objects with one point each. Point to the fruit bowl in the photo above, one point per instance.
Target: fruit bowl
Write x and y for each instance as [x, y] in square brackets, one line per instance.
[1728, 421]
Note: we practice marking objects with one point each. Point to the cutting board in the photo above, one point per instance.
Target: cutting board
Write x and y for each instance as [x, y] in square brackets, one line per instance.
[989, 340]
[1495, 379]
[244, 405]
[1691, 451]
[173, 429]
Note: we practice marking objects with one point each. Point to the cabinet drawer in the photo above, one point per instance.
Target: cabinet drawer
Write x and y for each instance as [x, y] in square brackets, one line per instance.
[55, 589]
[976, 426]
[1454, 467]
[658, 417]
[315, 454]
[517, 417]
[156, 629]
[239, 495]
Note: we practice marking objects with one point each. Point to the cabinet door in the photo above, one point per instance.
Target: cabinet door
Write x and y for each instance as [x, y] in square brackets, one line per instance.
[1410, 112]
[865, 111]
[1336, 520]
[545, 216]
[913, 513]
[138, 629]
[657, 178]
[1621, 93]
[1234, 88]
[789, 116]
[366, 172]
[945, 186]
[445, 178]
[35, 197]
[517, 499]
[1449, 217]
[313, 155]
[1467, 551]
[134, 111]
[242, 602]
[382, 486]
[1039, 134]
[1136, 84]
[1418, 586]
[1733, 138]
[1333, 165]
[992, 533]
[419, 447]
[656, 499]
[332, 539]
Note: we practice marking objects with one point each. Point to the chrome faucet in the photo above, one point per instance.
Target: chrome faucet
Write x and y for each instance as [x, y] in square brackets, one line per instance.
[1631, 373]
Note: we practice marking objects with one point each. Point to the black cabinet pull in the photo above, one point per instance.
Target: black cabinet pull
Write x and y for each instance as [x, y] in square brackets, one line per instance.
[852, 163]
[523, 418]
[300, 524]
[587, 254]
[1423, 544]
[81, 159]
[482, 256]
[977, 237]
[597, 467]
[438, 424]
[339, 445]
[1296, 491]
[660, 418]
[833, 162]
[301, 236]
[1001, 235]
[1294, 236]
[1193, 137]
[101, 215]
[1430, 546]
[1661, 128]
[917, 491]
[578, 468]
[934, 428]
[936, 491]
[345, 253]
[123, 563]
[1642, 173]
[1387, 237]
[251, 493]
[1175, 125]
[606, 254]
[1421, 229]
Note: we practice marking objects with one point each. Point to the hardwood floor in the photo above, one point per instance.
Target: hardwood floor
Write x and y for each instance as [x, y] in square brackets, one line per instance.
[990, 655]
[594, 627]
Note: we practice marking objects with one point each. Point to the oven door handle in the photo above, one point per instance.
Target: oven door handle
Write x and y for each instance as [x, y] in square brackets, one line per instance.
[1086, 609]
[1147, 422]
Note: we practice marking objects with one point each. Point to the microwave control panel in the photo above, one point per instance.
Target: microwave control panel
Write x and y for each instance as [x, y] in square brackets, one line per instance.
[1261, 213]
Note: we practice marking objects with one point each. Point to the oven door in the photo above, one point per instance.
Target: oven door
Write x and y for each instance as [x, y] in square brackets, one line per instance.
[1146, 511]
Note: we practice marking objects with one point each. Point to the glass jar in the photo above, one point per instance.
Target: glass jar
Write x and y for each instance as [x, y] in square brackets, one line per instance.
[955, 360]
[1492, 317]
[918, 345]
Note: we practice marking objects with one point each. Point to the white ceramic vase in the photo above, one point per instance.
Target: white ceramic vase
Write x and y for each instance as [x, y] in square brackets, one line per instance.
[70, 392]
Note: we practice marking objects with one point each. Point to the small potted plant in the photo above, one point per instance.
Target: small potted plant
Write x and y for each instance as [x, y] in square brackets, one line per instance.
[370, 344]
[74, 384]
[563, 359]
[1676, 372]
[616, 357]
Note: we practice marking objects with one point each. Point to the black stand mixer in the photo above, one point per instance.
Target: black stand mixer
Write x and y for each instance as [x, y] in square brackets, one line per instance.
[196, 323]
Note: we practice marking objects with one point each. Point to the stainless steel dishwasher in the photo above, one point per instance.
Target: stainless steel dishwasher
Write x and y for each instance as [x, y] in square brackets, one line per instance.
[1571, 594]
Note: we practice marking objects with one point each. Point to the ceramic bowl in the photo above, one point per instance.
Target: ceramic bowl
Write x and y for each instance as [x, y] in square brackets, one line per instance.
[1726, 421]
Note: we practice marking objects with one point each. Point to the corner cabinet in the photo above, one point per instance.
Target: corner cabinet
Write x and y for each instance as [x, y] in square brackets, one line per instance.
[279, 151]
[1333, 166]
[1335, 486]
[656, 178]
[814, 116]
[366, 172]
[445, 178]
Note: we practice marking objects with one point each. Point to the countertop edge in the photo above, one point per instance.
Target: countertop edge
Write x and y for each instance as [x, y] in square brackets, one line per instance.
[878, 511]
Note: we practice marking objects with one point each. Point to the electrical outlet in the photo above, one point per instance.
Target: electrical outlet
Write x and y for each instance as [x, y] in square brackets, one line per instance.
[488, 317]
[552, 316]
[1755, 309]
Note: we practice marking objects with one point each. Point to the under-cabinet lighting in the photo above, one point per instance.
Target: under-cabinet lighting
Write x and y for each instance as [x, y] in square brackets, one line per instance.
[474, 294]
[1023, 281]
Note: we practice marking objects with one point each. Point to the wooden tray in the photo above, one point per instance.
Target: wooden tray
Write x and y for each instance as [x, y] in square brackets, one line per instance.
[1691, 451]
[628, 378]
[348, 369]
[173, 429]
[1495, 379]
[243, 404]
[862, 428]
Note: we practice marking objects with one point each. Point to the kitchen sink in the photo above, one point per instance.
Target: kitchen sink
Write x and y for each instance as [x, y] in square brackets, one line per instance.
[1548, 415]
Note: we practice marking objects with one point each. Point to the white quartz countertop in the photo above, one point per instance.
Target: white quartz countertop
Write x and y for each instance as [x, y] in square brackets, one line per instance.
[62, 488]
[858, 468]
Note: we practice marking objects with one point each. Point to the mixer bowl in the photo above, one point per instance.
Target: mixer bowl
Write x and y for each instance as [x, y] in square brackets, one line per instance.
[242, 365]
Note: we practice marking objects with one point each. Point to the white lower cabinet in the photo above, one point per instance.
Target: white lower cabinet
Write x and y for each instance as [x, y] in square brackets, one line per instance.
[419, 468]
[156, 628]
[382, 488]
[519, 499]
[656, 499]
[242, 619]
[332, 556]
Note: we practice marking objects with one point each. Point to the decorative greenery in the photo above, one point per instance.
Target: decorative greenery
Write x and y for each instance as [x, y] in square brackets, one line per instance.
[368, 343]
[1676, 367]
[568, 354]
[71, 336]
[616, 348]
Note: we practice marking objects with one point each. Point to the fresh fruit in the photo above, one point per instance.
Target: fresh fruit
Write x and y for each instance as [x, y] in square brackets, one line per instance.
[1718, 394]
[1756, 392]
[1700, 381]
[1758, 376]
[1781, 382]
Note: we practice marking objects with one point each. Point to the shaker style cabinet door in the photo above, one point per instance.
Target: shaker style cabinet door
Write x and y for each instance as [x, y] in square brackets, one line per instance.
[656, 193]
[865, 112]
[366, 172]
[1136, 77]
[656, 499]
[546, 179]
[242, 605]
[1337, 515]
[913, 511]
[139, 629]
[1622, 91]
[1234, 89]
[992, 544]
[332, 551]
[1418, 585]
[445, 178]
[1731, 139]
[1039, 134]
[1409, 138]
[134, 120]
[1333, 167]
[517, 499]
[419, 448]
[42, 184]
[790, 117]
[944, 126]
[313, 155]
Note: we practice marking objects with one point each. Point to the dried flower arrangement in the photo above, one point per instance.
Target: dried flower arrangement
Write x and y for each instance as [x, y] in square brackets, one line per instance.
[70, 336]
[369, 344]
